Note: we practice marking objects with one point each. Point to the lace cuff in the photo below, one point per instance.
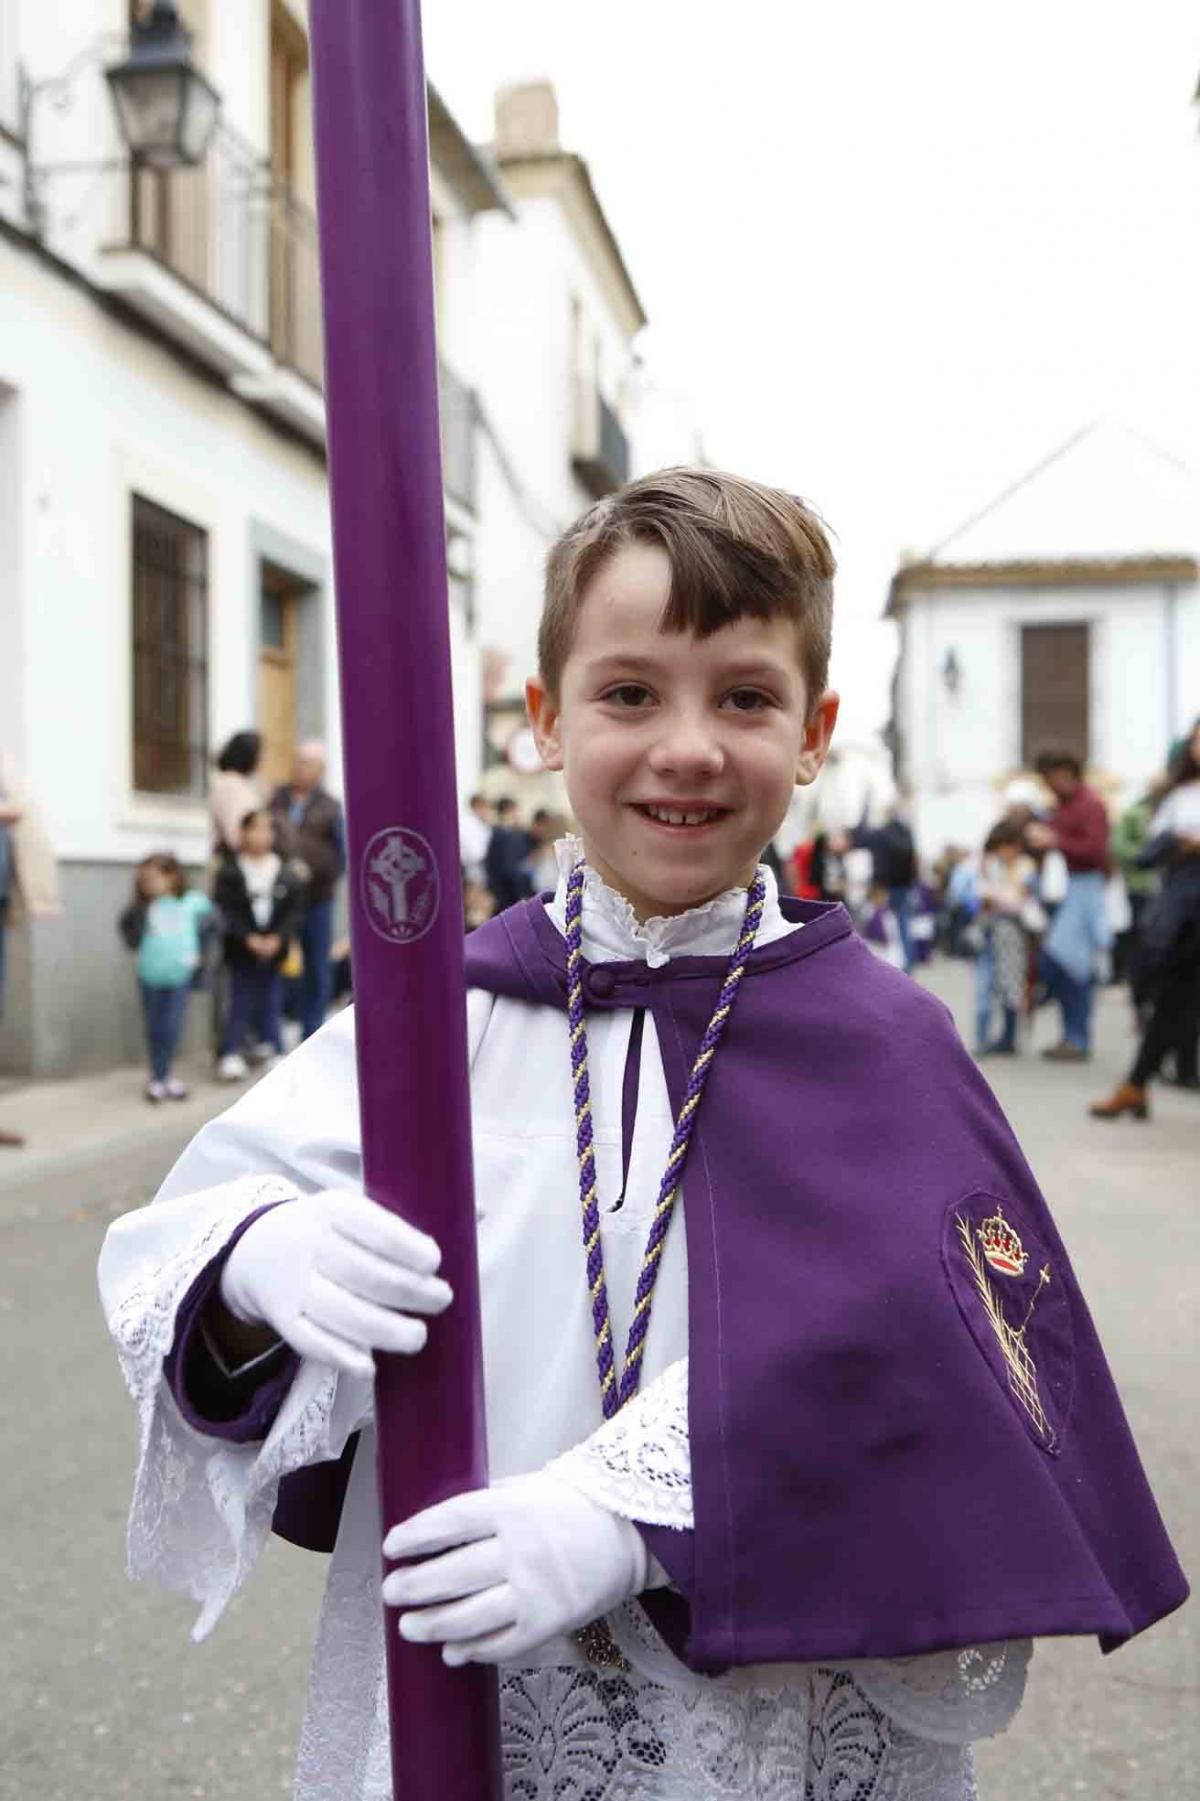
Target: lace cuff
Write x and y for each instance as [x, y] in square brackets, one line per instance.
[950, 1697]
[639, 1464]
[202, 1508]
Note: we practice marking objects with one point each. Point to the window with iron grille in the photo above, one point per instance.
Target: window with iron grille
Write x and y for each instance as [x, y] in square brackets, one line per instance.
[170, 652]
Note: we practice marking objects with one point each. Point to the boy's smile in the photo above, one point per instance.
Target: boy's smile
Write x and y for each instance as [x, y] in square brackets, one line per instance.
[680, 753]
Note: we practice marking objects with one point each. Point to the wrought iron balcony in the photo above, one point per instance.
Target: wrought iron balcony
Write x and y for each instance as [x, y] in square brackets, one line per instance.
[240, 241]
[600, 454]
[242, 288]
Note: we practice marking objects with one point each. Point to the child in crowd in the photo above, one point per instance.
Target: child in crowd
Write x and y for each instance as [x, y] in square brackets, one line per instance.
[862, 1444]
[1010, 920]
[259, 899]
[164, 924]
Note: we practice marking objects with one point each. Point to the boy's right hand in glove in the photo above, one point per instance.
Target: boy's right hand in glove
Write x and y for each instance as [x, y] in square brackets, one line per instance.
[337, 1277]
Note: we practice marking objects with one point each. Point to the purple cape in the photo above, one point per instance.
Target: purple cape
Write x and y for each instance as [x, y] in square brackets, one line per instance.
[905, 1436]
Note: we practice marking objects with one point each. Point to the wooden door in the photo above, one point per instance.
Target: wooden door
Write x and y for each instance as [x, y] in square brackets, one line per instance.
[278, 631]
[1055, 684]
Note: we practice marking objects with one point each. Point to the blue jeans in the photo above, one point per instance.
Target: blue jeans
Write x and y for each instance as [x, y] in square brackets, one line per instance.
[900, 902]
[164, 1011]
[255, 1002]
[985, 977]
[316, 984]
[1075, 1000]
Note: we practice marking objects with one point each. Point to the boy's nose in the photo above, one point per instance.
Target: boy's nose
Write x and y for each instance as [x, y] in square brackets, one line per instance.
[687, 745]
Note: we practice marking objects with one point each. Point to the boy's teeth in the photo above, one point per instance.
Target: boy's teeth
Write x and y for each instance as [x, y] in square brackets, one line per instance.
[673, 815]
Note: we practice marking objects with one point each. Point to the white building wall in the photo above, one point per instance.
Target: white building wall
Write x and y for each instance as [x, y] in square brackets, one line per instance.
[960, 749]
[528, 276]
[1185, 661]
[105, 414]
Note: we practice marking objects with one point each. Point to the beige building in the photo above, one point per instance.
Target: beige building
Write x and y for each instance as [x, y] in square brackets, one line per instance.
[557, 377]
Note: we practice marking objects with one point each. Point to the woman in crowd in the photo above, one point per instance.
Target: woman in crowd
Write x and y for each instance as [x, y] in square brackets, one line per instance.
[233, 791]
[1170, 937]
[1010, 917]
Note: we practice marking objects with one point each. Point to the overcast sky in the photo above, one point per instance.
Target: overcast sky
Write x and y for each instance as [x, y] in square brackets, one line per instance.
[894, 253]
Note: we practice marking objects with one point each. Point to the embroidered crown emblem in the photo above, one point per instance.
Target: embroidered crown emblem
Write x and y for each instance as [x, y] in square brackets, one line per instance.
[1002, 1245]
[1018, 1360]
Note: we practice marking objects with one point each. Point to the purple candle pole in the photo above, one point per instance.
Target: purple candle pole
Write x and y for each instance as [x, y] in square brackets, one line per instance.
[405, 887]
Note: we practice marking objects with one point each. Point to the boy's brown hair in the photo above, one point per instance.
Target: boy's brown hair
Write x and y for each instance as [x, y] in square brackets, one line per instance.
[737, 549]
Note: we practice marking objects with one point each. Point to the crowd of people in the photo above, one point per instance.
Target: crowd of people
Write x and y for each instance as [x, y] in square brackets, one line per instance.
[1060, 901]
[260, 935]
[262, 938]
[505, 860]
[1057, 901]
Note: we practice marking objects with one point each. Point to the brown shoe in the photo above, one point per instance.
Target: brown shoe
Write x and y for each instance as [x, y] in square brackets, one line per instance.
[1127, 1097]
[1066, 1053]
[13, 1140]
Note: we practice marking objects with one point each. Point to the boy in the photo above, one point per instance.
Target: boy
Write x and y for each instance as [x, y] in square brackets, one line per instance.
[861, 1444]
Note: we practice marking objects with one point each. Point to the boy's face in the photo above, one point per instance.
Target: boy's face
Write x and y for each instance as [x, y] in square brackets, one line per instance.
[680, 754]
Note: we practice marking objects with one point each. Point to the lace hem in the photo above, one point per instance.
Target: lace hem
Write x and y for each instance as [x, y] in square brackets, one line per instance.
[610, 1737]
[639, 1463]
[950, 1697]
[202, 1507]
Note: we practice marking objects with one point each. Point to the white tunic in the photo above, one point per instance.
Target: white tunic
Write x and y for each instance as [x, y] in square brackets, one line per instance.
[202, 1507]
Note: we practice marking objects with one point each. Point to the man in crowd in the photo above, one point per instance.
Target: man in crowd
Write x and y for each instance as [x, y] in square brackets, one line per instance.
[506, 866]
[1078, 827]
[310, 827]
[893, 872]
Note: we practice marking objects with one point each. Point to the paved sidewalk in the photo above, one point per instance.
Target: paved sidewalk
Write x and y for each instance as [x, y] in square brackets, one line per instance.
[66, 1124]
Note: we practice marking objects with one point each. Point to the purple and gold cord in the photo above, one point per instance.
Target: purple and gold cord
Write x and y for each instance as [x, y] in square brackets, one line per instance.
[615, 1392]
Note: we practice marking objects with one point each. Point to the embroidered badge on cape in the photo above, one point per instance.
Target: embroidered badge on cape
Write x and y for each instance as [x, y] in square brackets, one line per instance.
[1018, 1314]
[1001, 1245]
[1022, 1370]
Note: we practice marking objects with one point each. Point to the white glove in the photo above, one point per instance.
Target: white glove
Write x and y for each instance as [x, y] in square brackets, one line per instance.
[535, 1560]
[337, 1276]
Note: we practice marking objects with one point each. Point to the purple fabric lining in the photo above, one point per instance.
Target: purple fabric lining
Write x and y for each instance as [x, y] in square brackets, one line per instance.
[675, 1550]
[239, 1407]
[629, 1094]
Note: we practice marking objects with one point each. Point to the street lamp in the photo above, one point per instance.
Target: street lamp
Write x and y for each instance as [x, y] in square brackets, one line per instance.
[166, 109]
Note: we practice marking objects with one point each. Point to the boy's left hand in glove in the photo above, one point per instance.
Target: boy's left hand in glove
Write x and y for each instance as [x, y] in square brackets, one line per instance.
[509, 1567]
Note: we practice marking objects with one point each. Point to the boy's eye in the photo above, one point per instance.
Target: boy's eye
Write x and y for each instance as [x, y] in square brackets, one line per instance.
[747, 700]
[629, 694]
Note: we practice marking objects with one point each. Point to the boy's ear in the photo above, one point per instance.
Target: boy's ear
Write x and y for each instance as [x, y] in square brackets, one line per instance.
[545, 721]
[817, 734]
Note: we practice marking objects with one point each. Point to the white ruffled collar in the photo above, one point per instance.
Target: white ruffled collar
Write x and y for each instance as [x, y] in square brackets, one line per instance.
[612, 932]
